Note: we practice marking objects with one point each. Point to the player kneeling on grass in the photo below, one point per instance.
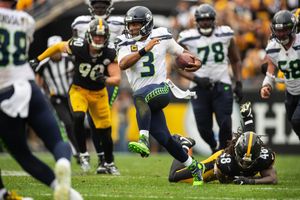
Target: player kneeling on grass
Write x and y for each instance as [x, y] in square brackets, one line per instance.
[239, 163]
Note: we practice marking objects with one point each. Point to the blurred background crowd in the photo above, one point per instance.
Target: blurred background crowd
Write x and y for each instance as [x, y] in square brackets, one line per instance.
[249, 19]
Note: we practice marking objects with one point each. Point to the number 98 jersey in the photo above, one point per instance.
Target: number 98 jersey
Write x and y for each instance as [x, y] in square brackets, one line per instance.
[86, 66]
[228, 165]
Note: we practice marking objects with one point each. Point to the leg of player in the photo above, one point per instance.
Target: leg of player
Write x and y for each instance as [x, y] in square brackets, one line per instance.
[143, 115]
[293, 112]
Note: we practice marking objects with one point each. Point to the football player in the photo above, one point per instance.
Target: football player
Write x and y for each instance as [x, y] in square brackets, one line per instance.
[246, 160]
[142, 54]
[22, 103]
[93, 59]
[100, 9]
[215, 46]
[283, 54]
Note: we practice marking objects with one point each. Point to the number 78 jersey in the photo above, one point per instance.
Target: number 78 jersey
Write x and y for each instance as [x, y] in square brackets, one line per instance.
[212, 51]
[16, 33]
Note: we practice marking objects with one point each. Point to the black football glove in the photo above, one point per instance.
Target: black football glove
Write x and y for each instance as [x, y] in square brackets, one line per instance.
[203, 83]
[100, 77]
[34, 63]
[238, 91]
[241, 180]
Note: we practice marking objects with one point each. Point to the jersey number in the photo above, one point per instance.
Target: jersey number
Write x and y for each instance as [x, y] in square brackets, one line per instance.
[291, 72]
[217, 49]
[86, 69]
[149, 65]
[264, 154]
[19, 56]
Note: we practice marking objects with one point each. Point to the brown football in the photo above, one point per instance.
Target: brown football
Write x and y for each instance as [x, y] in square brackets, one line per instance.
[183, 60]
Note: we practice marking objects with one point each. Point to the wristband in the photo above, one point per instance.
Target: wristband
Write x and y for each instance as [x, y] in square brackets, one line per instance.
[142, 52]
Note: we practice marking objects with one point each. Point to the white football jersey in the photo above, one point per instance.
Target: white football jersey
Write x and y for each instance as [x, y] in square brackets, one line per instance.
[288, 61]
[116, 26]
[16, 28]
[212, 51]
[151, 68]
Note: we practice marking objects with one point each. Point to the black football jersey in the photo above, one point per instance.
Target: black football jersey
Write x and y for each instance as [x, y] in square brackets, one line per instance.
[229, 166]
[86, 65]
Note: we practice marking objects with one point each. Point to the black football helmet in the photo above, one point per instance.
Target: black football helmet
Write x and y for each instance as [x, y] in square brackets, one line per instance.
[100, 8]
[98, 27]
[205, 16]
[284, 26]
[142, 15]
[247, 149]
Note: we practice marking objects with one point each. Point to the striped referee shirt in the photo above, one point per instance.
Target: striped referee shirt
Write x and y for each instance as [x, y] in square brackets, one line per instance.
[57, 75]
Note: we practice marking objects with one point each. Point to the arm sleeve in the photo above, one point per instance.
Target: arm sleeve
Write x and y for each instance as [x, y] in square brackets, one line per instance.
[59, 47]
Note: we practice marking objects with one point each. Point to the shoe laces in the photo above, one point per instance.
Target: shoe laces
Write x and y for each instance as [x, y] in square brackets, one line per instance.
[143, 139]
[196, 170]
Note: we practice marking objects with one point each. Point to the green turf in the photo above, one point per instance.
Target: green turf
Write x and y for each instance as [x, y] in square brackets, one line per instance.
[146, 178]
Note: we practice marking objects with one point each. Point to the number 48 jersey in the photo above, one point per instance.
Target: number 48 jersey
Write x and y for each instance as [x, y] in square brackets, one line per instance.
[227, 164]
[86, 65]
[288, 61]
[16, 33]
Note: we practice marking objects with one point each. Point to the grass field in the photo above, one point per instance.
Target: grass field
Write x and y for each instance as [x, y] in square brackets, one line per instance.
[146, 178]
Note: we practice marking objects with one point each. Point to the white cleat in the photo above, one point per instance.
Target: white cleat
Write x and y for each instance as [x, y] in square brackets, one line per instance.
[84, 161]
[63, 177]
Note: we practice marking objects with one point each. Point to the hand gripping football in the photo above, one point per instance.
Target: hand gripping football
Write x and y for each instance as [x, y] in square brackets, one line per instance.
[183, 60]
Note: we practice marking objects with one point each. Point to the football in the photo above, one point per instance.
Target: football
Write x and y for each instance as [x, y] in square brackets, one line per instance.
[183, 60]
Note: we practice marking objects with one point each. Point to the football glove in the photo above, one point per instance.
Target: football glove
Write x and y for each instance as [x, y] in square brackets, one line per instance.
[238, 91]
[203, 83]
[34, 63]
[100, 77]
[241, 180]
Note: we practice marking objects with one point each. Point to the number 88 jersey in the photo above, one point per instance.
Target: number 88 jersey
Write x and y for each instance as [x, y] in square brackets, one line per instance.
[227, 164]
[86, 66]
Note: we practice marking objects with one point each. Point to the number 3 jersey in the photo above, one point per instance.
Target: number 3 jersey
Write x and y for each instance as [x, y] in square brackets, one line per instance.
[212, 51]
[86, 66]
[151, 68]
[288, 61]
[16, 33]
[227, 164]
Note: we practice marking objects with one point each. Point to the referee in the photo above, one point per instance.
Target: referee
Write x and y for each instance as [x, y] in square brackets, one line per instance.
[54, 75]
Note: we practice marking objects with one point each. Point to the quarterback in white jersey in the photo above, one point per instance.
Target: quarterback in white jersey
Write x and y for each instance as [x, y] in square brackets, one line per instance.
[215, 46]
[141, 52]
[22, 103]
[283, 53]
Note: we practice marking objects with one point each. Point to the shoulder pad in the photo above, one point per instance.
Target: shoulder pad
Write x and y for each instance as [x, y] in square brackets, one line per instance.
[224, 163]
[188, 34]
[161, 32]
[81, 19]
[272, 47]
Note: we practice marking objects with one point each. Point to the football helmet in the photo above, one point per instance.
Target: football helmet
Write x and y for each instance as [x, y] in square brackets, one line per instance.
[142, 15]
[205, 16]
[98, 27]
[100, 8]
[283, 26]
[247, 149]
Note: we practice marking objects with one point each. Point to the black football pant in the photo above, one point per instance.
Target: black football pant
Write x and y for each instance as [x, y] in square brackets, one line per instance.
[292, 105]
[43, 122]
[218, 100]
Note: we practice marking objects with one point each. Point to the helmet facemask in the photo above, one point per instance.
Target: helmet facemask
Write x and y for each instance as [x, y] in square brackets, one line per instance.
[100, 8]
[145, 18]
[247, 150]
[98, 34]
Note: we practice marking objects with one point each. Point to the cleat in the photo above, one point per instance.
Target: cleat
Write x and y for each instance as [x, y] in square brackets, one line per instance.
[63, 177]
[112, 169]
[85, 161]
[184, 141]
[246, 110]
[102, 169]
[197, 169]
[12, 195]
[141, 147]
